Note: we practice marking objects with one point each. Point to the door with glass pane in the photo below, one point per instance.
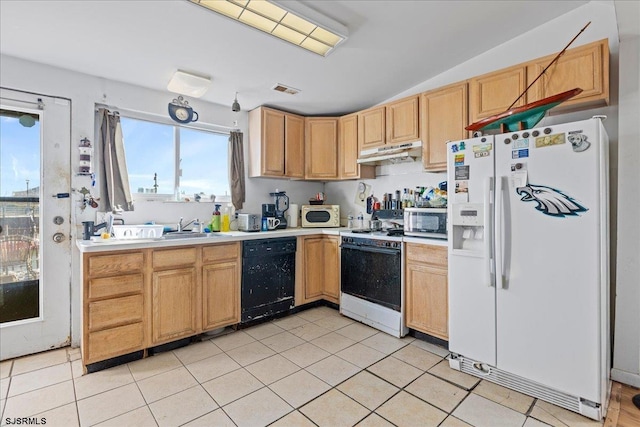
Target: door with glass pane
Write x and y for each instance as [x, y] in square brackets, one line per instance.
[35, 250]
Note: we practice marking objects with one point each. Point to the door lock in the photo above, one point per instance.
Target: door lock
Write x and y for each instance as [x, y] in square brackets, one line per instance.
[58, 237]
[57, 220]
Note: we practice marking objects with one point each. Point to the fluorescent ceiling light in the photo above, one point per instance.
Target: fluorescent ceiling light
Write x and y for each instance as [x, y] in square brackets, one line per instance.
[302, 27]
[188, 84]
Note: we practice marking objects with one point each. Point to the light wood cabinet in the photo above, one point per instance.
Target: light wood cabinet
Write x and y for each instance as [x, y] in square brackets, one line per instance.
[221, 267]
[175, 294]
[494, 92]
[114, 305]
[586, 67]
[293, 146]
[136, 299]
[313, 268]
[331, 253]
[443, 117]
[371, 128]
[402, 120]
[318, 269]
[321, 148]
[276, 144]
[348, 144]
[426, 289]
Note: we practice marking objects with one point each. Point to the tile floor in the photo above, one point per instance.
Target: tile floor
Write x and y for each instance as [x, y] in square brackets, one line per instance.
[312, 368]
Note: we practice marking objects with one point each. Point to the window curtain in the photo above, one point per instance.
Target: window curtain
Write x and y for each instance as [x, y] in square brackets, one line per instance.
[236, 170]
[114, 178]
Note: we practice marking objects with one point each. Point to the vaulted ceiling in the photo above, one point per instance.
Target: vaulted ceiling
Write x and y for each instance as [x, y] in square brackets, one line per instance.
[392, 46]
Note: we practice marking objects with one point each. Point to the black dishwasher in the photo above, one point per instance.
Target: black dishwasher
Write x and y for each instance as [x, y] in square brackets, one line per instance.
[268, 277]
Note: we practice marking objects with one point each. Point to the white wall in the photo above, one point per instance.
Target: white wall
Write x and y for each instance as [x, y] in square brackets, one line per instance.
[626, 354]
[85, 91]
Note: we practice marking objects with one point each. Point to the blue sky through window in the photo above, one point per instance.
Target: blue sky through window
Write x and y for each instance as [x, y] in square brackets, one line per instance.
[150, 150]
[19, 156]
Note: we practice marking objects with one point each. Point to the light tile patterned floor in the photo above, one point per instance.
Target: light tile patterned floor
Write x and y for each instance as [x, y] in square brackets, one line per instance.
[313, 368]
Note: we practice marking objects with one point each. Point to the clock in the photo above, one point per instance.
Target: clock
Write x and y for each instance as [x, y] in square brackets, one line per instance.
[181, 112]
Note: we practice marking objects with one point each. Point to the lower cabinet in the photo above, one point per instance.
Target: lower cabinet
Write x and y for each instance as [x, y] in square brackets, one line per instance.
[331, 248]
[114, 305]
[133, 300]
[174, 297]
[220, 285]
[426, 289]
[318, 275]
[174, 294]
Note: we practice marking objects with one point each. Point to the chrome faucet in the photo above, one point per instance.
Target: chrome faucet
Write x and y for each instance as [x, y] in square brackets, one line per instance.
[181, 227]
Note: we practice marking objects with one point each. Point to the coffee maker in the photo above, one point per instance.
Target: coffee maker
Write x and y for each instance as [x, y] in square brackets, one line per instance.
[281, 202]
[268, 210]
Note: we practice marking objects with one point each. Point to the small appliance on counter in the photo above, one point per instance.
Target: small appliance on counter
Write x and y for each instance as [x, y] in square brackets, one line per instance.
[320, 216]
[281, 204]
[426, 222]
[269, 210]
[248, 222]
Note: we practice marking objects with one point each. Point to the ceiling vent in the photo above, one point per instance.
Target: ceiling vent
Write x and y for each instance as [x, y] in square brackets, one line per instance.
[286, 89]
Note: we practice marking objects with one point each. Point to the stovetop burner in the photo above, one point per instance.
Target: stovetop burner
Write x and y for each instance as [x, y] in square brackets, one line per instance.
[387, 232]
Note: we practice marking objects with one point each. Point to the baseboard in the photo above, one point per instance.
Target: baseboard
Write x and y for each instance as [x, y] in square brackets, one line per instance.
[625, 377]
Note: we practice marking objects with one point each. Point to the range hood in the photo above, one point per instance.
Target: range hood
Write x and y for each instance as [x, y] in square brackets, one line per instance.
[390, 154]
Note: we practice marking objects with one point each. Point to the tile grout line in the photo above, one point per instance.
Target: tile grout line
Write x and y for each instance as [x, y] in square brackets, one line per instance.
[469, 391]
[75, 394]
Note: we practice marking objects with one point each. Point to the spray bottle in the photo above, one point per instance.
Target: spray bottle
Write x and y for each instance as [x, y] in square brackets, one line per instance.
[215, 219]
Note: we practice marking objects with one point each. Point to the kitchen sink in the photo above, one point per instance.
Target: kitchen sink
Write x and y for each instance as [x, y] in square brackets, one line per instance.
[188, 235]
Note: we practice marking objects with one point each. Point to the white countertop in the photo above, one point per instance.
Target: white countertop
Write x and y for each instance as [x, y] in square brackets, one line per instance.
[103, 245]
[424, 241]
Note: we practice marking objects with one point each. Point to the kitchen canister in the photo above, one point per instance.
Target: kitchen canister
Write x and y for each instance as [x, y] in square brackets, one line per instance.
[293, 213]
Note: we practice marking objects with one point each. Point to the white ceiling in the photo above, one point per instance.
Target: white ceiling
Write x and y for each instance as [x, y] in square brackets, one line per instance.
[392, 46]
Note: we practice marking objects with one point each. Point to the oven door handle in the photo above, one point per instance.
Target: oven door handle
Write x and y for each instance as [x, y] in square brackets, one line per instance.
[387, 251]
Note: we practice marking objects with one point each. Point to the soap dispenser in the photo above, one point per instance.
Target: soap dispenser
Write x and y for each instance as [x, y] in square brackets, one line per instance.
[215, 220]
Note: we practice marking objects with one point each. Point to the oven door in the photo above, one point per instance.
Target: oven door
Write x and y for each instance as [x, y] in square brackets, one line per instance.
[372, 274]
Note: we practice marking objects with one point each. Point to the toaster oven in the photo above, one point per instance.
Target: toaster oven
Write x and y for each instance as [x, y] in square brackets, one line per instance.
[320, 216]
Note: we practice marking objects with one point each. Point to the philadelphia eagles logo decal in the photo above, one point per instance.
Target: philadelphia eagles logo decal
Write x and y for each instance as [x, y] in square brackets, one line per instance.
[550, 201]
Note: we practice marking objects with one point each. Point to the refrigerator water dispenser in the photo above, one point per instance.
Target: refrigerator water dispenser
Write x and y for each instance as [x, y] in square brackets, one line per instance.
[467, 222]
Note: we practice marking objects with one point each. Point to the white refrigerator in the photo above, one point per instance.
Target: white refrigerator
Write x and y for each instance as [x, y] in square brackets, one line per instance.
[529, 264]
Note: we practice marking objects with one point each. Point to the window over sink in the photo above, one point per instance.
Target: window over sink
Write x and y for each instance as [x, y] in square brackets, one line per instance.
[171, 162]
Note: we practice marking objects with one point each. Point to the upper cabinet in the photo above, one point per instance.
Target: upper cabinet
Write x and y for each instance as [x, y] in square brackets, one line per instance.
[321, 148]
[273, 137]
[586, 67]
[402, 122]
[348, 145]
[293, 146]
[392, 123]
[371, 128]
[493, 93]
[327, 148]
[443, 117]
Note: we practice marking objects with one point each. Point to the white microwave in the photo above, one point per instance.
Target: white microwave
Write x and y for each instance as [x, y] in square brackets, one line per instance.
[320, 216]
[426, 222]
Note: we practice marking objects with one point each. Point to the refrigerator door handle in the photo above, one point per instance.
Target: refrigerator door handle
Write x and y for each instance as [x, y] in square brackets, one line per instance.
[488, 235]
[499, 207]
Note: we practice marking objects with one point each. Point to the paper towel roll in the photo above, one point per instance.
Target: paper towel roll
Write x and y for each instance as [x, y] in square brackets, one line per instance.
[293, 213]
